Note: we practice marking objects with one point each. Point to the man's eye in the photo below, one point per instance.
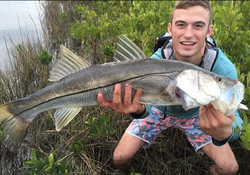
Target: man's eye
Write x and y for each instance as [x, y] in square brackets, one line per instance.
[180, 25]
[199, 26]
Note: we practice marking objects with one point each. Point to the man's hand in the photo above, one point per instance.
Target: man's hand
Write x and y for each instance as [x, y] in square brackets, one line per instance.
[214, 123]
[128, 105]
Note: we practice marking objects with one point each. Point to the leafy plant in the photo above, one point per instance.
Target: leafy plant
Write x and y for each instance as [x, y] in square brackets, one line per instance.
[39, 166]
[107, 50]
[79, 146]
[230, 32]
[247, 92]
[63, 16]
[100, 127]
[101, 23]
[245, 137]
[44, 57]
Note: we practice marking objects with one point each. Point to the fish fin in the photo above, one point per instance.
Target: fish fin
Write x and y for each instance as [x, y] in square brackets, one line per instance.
[14, 128]
[5, 114]
[242, 107]
[159, 99]
[67, 64]
[64, 115]
[127, 50]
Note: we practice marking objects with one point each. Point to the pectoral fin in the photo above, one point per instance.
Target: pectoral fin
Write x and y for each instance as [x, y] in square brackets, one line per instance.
[159, 99]
[64, 115]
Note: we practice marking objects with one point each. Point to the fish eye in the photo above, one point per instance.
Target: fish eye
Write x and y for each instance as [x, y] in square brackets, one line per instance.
[219, 80]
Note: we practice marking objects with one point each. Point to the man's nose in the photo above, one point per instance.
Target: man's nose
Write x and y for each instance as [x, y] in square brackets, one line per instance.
[188, 32]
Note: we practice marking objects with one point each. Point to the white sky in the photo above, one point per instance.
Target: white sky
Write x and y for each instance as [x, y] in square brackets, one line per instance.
[15, 14]
[11, 11]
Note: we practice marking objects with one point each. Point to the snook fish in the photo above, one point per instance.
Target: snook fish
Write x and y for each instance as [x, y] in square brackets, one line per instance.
[163, 82]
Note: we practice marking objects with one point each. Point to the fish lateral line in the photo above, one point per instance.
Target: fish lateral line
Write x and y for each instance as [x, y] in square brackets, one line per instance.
[93, 89]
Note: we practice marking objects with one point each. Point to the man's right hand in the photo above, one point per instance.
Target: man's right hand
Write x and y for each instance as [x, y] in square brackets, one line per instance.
[128, 105]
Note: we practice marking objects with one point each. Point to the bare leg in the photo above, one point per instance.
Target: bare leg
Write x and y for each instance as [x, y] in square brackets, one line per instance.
[224, 159]
[125, 150]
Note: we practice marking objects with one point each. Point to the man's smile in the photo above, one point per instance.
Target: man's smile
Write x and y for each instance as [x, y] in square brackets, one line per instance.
[188, 43]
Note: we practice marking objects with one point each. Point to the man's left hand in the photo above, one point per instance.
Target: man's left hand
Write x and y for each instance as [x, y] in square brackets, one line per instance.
[214, 123]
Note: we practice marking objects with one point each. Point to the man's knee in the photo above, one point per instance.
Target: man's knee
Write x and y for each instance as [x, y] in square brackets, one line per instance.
[127, 148]
[121, 158]
[223, 158]
[228, 168]
[231, 168]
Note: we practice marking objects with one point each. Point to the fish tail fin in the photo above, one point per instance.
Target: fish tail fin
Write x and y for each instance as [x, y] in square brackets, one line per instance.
[14, 127]
[4, 113]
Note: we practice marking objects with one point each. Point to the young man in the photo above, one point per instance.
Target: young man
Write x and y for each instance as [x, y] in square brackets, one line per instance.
[207, 129]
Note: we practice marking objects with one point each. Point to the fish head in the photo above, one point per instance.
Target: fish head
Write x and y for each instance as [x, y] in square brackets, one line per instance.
[196, 88]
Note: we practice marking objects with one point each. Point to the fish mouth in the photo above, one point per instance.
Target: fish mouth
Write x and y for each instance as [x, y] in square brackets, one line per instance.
[187, 101]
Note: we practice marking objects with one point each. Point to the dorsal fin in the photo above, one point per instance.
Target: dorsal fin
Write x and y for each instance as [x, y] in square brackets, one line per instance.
[67, 64]
[127, 50]
[64, 115]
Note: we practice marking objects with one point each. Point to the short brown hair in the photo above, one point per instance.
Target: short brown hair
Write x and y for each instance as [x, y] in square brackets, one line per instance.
[190, 3]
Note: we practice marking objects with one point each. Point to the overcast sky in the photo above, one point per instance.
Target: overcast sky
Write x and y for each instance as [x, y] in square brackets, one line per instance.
[13, 14]
[11, 11]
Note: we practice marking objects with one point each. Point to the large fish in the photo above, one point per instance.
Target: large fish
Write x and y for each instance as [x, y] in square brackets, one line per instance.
[163, 82]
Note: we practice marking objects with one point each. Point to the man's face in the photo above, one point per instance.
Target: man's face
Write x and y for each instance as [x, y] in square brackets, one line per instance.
[189, 29]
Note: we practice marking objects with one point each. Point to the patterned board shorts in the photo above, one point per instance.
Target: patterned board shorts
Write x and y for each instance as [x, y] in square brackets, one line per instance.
[147, 129]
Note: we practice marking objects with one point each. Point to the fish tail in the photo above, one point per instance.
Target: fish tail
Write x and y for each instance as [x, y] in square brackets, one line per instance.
[14, 127]
[4, 113]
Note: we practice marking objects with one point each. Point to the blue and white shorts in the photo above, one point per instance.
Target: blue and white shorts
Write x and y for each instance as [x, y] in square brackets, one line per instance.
[147, 129]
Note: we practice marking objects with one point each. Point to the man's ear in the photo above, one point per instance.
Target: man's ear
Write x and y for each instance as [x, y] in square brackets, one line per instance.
[210, 31]
[170, 29]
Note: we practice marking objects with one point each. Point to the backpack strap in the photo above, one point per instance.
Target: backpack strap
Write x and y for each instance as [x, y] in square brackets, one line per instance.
[208, 60]
[161, 40]
[167, 51]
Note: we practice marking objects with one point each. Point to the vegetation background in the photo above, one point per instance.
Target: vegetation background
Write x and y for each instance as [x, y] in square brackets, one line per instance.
[85, 146]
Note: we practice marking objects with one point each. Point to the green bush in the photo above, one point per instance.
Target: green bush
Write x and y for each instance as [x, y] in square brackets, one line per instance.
[103, 22]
